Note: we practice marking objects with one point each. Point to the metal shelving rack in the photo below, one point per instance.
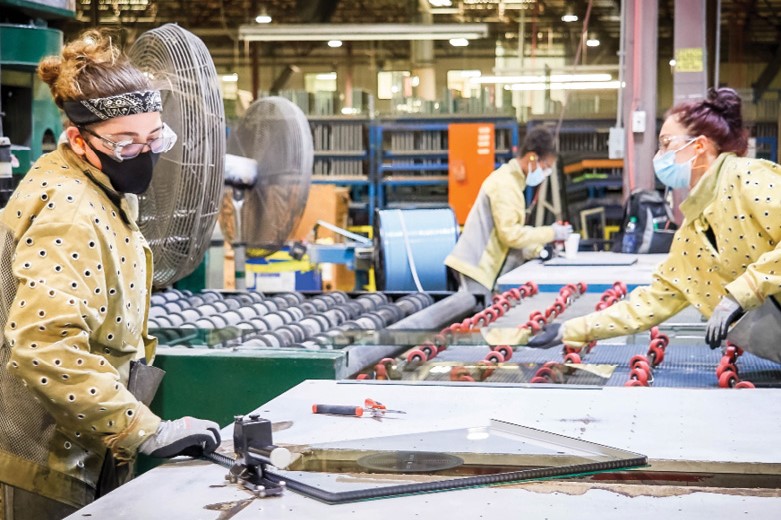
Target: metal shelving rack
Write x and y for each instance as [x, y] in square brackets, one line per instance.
[343, 157]
[413, 153]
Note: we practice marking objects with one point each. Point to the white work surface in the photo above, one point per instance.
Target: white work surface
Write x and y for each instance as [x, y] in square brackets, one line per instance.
[691, 430]
[598, 269]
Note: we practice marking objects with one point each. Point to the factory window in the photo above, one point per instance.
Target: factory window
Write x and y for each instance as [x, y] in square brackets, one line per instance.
[461, 81]
[394, 83]
[320, 82]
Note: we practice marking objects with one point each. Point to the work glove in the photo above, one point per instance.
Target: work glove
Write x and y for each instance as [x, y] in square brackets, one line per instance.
[561, 232]
[724, 315]
[186, 436]
[551, 336]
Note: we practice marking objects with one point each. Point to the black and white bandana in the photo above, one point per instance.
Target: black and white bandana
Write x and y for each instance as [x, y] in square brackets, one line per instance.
[88, 111]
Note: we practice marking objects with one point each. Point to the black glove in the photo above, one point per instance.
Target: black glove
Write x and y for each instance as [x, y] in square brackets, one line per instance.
[550, 336]
[186, 436]
[724, 315]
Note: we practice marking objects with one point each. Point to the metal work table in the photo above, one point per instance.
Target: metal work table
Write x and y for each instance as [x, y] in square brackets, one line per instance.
[598, 269]
[696, 440]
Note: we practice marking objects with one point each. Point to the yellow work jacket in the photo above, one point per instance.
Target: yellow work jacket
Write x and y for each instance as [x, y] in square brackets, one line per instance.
[496, 224]
[84, 275]
[727, 244]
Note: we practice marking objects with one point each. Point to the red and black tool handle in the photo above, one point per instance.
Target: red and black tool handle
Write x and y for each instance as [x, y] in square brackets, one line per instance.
[337, 409]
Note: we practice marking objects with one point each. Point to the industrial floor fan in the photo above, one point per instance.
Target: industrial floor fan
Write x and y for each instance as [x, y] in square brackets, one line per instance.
[179, 210]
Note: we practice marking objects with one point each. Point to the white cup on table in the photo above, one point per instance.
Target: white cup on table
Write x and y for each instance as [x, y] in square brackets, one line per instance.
[571, 246]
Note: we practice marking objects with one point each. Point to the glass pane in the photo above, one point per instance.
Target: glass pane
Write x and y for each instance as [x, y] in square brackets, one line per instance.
[440, 460]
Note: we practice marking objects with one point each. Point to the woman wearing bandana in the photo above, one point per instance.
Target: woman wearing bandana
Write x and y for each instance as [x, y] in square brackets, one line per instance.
[725, 258]
[495, 238]
[70, 424]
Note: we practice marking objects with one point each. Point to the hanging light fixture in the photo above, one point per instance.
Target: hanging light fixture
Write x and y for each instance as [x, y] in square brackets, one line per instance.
[569, 17]
[592, 41]
[263, 16]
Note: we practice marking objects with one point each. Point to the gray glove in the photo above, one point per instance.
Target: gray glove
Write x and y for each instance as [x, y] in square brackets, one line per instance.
[550, 336]
[724, 315]
[561, 231]
[185, 436]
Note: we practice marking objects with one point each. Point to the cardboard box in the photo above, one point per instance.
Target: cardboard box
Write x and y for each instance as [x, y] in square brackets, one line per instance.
[326, 202]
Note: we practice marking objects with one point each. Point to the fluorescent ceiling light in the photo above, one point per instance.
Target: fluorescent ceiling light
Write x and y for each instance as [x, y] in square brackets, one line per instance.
[556, 78]
[440, 3]
[263, 16]
[334, 44]
[569, 17]
[361, 32]
[586, 85]
[326, 75]
[230, 78]
[592, 42]
[459, 42]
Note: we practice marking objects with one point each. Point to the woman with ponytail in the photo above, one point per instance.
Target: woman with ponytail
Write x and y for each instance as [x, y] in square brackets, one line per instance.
[725, 259]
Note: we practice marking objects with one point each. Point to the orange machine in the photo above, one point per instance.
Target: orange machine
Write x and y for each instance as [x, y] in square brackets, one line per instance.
[471, 152]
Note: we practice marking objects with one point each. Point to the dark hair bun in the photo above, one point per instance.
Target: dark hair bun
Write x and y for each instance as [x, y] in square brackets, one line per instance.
[725, 101]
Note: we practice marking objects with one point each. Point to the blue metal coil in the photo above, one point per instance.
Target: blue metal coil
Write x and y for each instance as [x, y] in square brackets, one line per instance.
[414, 242]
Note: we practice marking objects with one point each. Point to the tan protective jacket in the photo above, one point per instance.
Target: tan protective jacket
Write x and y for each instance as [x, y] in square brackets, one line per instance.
[496, 224]
[79, 316]
[737, 203]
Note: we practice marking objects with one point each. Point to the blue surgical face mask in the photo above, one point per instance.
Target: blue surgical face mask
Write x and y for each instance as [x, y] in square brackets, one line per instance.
[673, 174]
[536, 176]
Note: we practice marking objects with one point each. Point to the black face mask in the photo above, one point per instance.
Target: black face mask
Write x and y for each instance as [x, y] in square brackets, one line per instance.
[131, 175]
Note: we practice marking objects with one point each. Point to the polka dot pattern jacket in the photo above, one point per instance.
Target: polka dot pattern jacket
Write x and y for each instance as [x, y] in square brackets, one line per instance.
[84, 276]
[728, 244]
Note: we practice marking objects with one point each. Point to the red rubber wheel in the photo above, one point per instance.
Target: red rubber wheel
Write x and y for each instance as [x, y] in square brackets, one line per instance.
[569, 350]
[728, 379]
[467, 324]
[610, 300]
[490, 314]
[601, 306]
[638, 359]
[640, 375]
[505, 350]
[536, 380]
[533, 288]
[658, 342]
[534, 326]
[551, 313]
[381, 372]
[745, 384]
[551, 364]
[642, 365]
[499, 310]
[429, 350]
[456, 327]
[572, 358]
[583, 287]
[416, 356]
[523, 291]
[658, 355]
[486, 369]
[728, 367]
[456, 373]
[515, 294]
[654, 331]
[387, 361]
[494, 357]
[620, 287]
[551, 375]
[733, 352]
[663, 338]
[634, 382]
[362, 377]
[608, 294]
[591, 346]
[534, 314]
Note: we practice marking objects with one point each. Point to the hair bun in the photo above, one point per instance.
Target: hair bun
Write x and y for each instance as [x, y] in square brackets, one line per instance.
[724, 100]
